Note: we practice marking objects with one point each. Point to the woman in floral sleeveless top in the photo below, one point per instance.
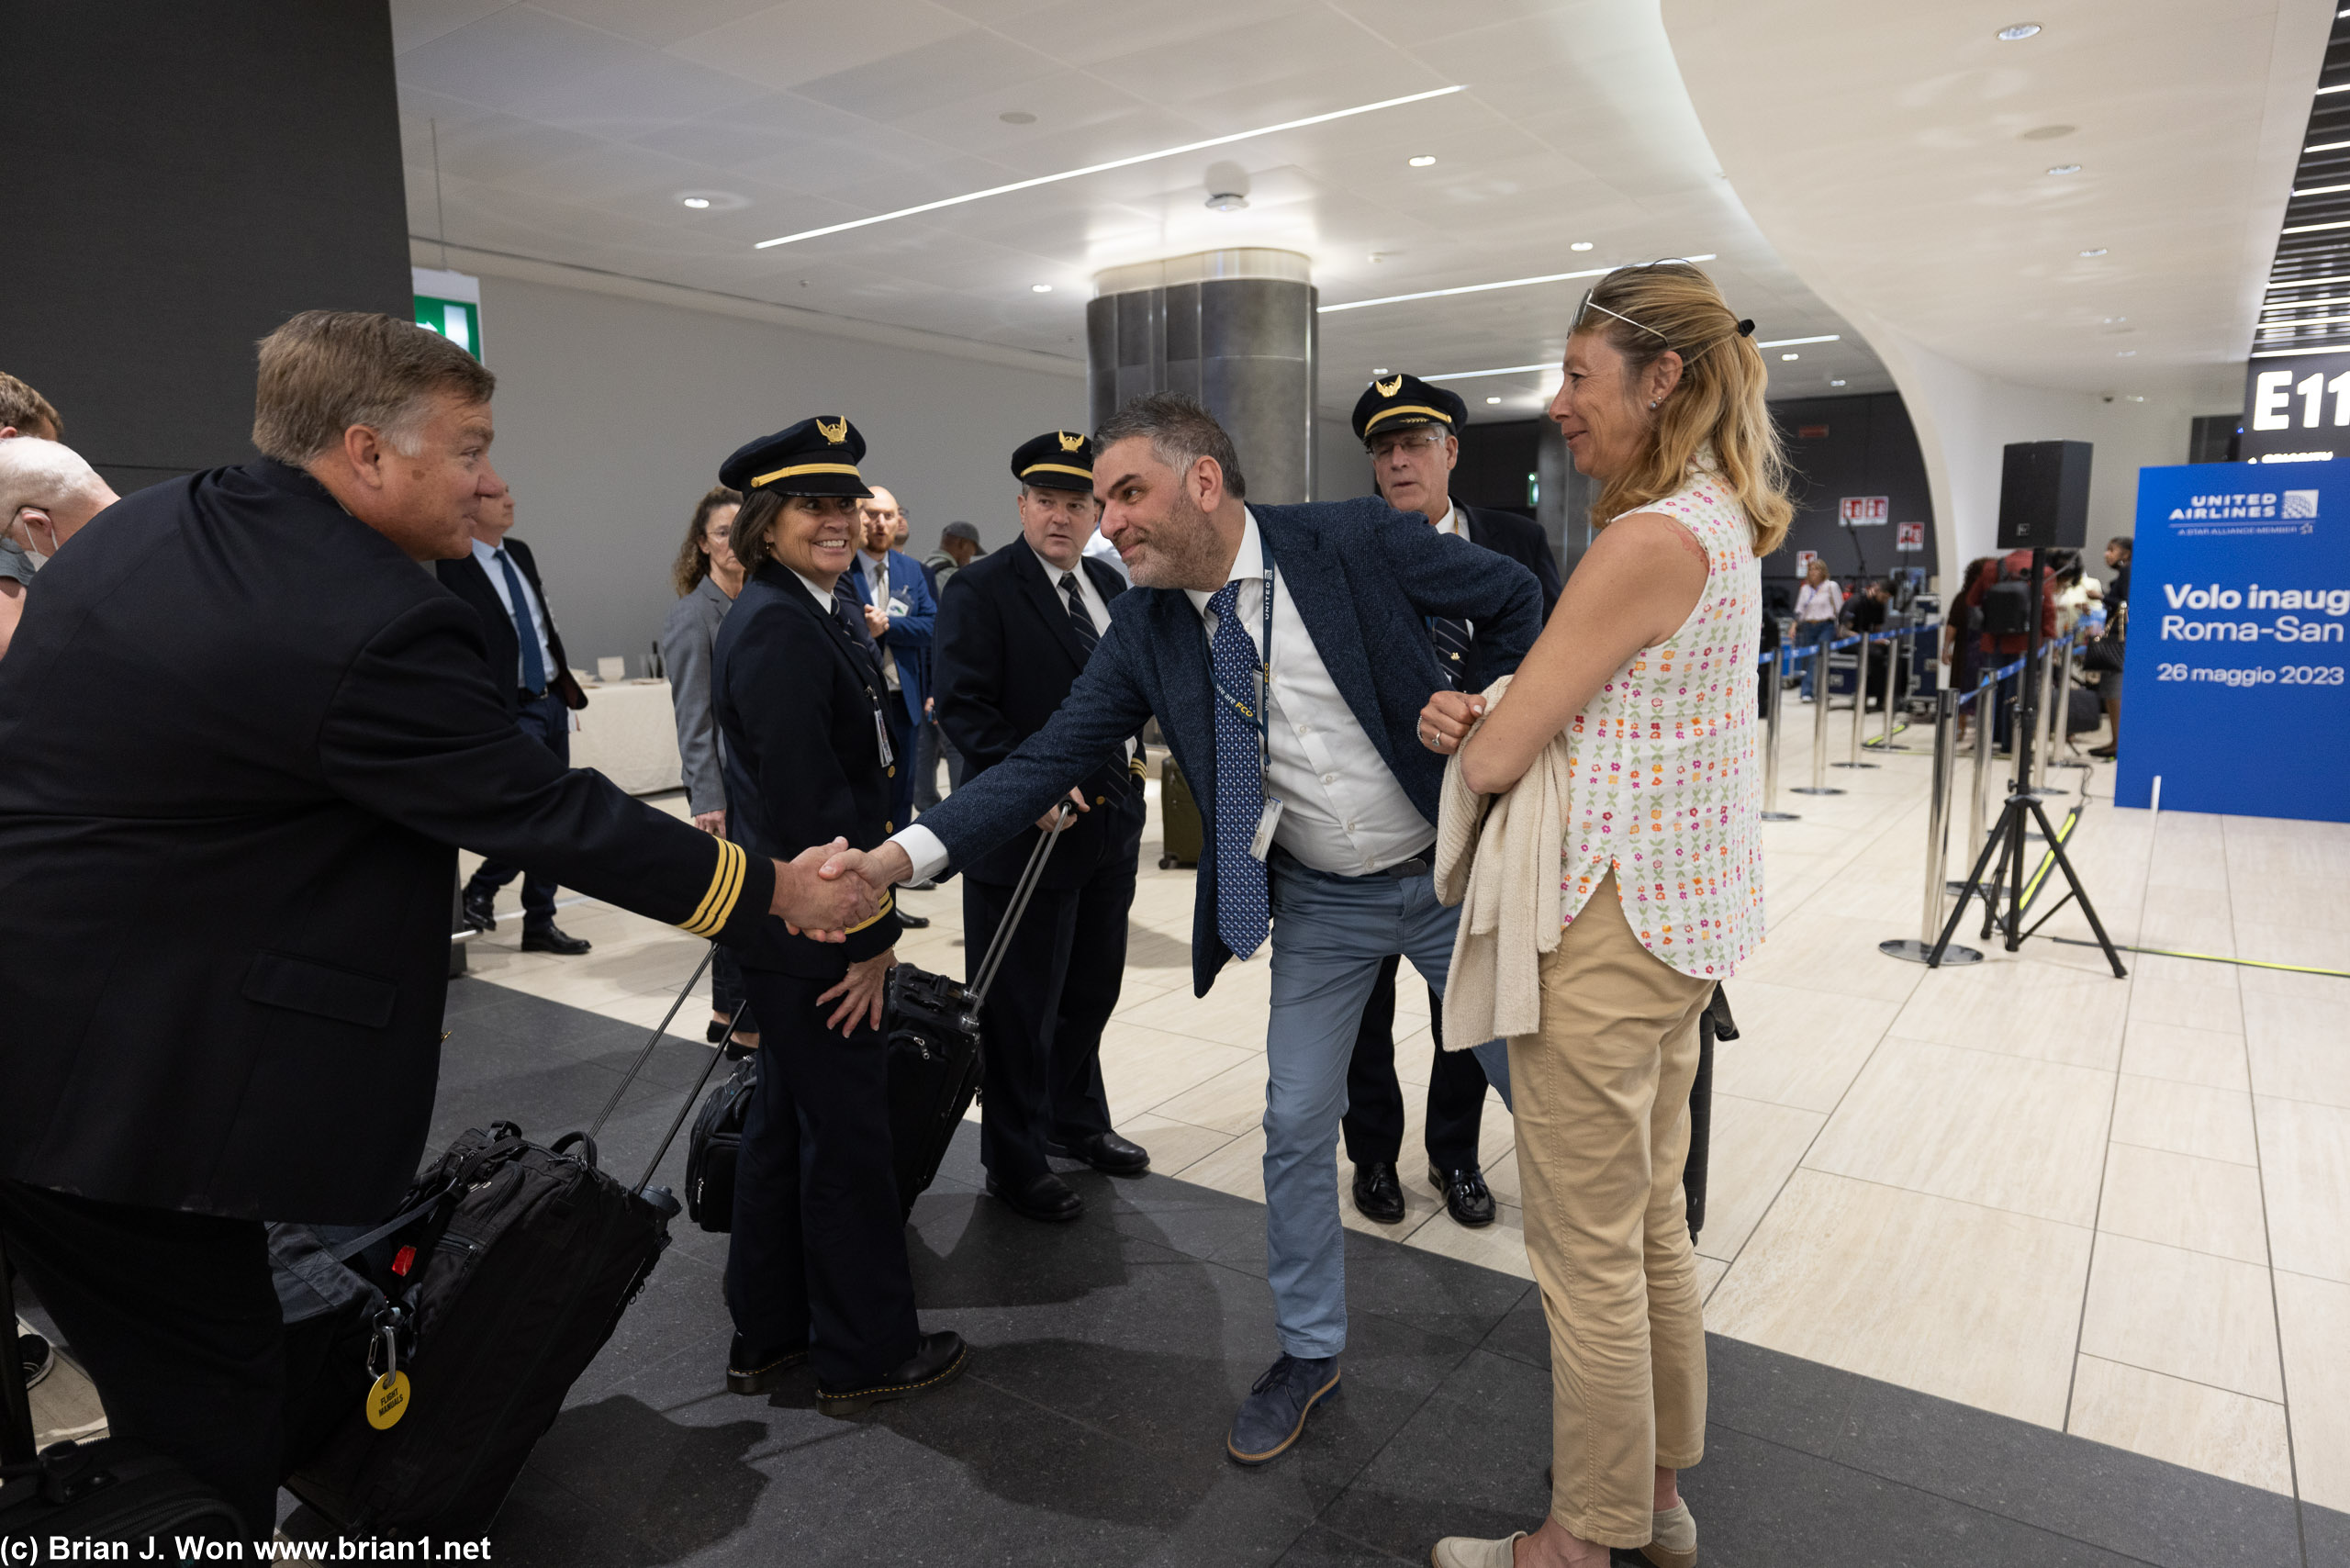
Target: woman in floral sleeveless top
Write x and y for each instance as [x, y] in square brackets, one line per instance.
[1646, 668]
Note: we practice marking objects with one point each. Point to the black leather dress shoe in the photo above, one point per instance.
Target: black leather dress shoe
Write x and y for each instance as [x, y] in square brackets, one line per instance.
[913, 921]
[549, 938]
[479, 914]
[1466, 1198]
[1378, 1193]
[1046, 1197]
[750, 1369]
[1106, 1152]
[938, 1362]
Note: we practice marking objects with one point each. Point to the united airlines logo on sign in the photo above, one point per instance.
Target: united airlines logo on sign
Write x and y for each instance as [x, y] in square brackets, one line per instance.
[2246, 511]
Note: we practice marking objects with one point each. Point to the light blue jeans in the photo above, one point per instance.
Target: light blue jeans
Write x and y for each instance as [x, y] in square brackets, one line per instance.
[1807, 634]
[1330, 935]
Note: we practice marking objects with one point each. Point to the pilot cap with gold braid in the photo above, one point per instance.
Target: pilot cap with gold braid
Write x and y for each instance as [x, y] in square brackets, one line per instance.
[814, 457]
[1398, 402]
[1057, 460]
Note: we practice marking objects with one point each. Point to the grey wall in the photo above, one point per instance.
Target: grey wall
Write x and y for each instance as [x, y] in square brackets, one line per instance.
[180, 179]
[614, 415]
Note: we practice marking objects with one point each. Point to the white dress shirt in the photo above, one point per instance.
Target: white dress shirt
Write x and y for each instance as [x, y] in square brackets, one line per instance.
[490, 558]
[1452, 522]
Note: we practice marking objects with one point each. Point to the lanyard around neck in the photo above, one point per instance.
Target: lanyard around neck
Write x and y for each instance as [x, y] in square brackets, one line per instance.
[1264, 666]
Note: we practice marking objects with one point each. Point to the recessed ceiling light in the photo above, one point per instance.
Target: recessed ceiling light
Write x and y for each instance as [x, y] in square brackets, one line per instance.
[2093, 250]
[2115, 321]
[1788, 356]
[2133, 397]
[1481, 287]
[1580, 245]
[1102, 168]
[1040, 288]
[711, 201]
[2126, 354]
[1380, 370]
[697, 203]
[1017, 116]
[2066, 169]
[1836, 381]
[1492, 399]
[1423, 160]
[2018, 32]
[2048, 132]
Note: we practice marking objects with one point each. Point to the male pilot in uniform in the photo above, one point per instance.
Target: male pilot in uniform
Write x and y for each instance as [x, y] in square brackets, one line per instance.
[1015, 630]
[1412, 431]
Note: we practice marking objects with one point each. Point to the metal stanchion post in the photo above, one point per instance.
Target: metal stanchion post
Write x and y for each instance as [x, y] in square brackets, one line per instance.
[1860, 706]
[1897, 667]
[2040, 718]
[1986, 716]
[1771, 812]
[1819, 785]
[1917, 950]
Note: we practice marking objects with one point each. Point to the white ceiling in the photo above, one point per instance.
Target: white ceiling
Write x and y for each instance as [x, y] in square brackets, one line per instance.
[567, 129]
[1886, 149]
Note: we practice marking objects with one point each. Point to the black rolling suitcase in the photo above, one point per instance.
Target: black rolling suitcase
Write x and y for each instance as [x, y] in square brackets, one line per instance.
[113, 1491]
[936, 1053]
[470, 1312]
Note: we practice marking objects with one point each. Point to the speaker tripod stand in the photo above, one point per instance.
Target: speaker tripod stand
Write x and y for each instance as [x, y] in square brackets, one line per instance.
[2005, 846]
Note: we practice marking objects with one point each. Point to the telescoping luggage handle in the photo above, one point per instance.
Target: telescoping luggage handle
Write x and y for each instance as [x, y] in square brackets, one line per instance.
[1030, 876]
[988, 966]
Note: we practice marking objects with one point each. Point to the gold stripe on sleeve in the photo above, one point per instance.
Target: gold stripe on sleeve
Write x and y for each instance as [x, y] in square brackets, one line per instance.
[888, 903]
[725, 888]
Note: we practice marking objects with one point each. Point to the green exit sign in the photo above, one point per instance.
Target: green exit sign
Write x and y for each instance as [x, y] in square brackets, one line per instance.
[450, 304]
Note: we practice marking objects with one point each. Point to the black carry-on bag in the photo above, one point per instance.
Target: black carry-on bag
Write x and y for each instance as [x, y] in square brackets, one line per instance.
[440, 1345]
[114, 1490]
[935, 1061]
[1183, 834]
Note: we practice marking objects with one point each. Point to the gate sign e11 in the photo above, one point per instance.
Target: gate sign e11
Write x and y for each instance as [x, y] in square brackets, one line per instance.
[2239, 611]
[2296, 408]
[1865, 512]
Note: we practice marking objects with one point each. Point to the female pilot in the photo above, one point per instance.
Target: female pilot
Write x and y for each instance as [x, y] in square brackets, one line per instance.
[817, 1270]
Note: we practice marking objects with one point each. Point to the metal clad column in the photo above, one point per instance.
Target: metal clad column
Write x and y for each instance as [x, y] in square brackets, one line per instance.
[1236, 330]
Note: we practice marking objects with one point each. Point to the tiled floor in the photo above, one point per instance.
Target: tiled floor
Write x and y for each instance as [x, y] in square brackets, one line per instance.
[2116, 1208]
[1108, 1356]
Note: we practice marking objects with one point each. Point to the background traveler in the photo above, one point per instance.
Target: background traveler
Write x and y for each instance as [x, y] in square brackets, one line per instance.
[2117, 623]
[47, 494]
[707, 578]
[1819, 605]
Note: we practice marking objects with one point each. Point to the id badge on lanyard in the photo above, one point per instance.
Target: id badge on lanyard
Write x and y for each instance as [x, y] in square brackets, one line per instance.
[881, 731]
[1261, 846]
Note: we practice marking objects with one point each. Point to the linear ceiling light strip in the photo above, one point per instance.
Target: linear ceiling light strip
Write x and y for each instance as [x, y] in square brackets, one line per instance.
[1503, 370]
[1100, 168]
[1482, 288]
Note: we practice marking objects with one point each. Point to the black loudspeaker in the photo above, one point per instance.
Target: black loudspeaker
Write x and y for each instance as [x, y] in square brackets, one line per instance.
[2044, 496]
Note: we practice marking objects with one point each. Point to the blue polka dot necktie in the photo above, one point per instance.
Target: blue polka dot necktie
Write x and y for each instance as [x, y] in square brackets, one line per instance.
[1243, 903]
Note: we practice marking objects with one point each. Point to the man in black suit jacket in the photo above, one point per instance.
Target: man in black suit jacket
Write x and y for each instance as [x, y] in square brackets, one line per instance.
[246, 733]
[1412, 429]
[1015, 632]
[542, 695]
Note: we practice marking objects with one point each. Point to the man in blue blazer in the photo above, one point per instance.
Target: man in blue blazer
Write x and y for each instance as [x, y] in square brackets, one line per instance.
[900, 613]
[1318, 798]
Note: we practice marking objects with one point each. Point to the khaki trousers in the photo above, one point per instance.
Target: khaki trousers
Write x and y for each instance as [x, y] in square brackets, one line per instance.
[1602, 1111]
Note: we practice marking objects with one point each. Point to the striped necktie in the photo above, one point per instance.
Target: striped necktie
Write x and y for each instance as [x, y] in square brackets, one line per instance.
[1079, 620]
[1450, 639]
[1243, 896]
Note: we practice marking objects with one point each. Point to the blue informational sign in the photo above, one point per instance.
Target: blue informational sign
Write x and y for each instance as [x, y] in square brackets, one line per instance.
[2238, 609]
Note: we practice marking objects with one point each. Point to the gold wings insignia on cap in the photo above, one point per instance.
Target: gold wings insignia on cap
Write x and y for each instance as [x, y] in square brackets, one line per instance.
[1069, 443]
[1389, 389]
[835, 432]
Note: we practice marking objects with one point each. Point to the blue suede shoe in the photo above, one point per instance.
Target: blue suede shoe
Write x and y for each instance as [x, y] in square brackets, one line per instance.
[1273, 1416]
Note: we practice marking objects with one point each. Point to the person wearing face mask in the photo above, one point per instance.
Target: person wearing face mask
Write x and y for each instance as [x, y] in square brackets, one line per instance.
[1016, 632]
[248, 732]
[1412, 429]
[816, 1272]
[1643, 679]
[708, 579]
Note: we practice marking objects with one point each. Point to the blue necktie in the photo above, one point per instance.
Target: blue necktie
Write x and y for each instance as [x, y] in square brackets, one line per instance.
[534, 666]
[1243, 903]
